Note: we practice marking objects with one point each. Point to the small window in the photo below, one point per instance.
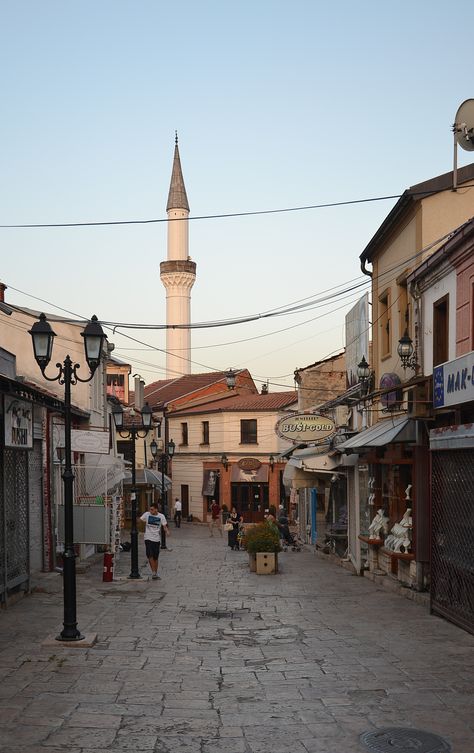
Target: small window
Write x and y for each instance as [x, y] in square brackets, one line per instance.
[385, 324]
[248, 431]
[441, 331]
[184, 433]
[205, 432]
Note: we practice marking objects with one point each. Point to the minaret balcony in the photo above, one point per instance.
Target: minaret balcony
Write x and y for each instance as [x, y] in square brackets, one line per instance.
[178, 265]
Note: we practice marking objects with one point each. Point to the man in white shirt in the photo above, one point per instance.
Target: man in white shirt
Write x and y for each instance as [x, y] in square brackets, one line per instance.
[177, 512]
[153, 520]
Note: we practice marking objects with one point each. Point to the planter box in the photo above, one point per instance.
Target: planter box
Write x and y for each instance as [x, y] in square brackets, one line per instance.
[253, 562]
[267, 563]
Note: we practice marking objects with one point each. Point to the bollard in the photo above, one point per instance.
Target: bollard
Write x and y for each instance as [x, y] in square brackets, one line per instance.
[108, 574]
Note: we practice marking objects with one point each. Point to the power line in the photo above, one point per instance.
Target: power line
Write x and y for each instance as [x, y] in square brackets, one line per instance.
[225, 215]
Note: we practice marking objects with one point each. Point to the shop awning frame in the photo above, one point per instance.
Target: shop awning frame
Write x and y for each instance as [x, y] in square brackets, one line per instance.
[387, 431]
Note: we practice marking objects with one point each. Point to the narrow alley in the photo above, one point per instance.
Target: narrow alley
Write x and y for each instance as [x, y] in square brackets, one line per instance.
[215, 659]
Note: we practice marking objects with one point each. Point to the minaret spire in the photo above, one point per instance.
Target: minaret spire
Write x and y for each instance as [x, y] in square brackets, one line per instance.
[177, 198]
[178, 275]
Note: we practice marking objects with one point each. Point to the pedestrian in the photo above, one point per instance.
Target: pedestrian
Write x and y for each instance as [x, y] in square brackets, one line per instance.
[177, 512]
[215, 521]
[234, 519]
[155, 522]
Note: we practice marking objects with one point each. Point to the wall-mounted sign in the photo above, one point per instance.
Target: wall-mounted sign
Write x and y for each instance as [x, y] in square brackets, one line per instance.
[96, 442]
[453, 382]
[249, 464]
[18, 423]
[305, 428]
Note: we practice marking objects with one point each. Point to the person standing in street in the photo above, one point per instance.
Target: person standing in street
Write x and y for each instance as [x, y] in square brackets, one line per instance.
[154, 522]
[215, 521]
[177, 512]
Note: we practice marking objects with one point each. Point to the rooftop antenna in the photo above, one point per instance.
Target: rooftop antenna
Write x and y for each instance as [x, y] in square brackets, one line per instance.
[463, 130]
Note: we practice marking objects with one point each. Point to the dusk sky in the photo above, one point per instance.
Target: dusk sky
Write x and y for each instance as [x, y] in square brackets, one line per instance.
[277, 105]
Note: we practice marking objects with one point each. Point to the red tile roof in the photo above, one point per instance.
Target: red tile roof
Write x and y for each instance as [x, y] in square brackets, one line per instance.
[238, 402]
[167, 390]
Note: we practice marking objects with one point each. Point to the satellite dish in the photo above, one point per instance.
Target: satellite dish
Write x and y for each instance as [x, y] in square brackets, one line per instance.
[464, 125]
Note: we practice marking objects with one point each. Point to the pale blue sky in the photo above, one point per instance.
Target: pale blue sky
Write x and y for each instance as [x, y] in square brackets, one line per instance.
[277, 104]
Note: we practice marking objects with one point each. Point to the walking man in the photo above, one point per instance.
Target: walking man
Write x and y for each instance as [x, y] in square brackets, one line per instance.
[154, 522]
[177, 512]
[215, 521]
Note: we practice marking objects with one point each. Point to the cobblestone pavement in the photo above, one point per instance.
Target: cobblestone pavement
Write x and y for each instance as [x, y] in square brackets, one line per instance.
[214, 658]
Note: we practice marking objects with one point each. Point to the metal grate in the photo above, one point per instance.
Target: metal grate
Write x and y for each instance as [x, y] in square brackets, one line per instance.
[404, 740]
[452, 566]
[14, 508]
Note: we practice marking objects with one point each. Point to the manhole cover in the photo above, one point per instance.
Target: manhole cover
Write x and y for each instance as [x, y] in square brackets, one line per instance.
[404, 740]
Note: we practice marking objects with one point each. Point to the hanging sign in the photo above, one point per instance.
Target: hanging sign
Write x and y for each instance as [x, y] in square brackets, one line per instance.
[18, 423]
[305, 428]
[97, 442]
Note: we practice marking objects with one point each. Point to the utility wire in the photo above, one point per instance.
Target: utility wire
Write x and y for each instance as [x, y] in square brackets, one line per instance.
[226, 215]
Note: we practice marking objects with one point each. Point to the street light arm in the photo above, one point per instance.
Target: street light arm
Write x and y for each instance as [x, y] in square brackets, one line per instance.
[67, 371]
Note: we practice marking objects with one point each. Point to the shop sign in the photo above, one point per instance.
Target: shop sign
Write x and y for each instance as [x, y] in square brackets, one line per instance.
[453, 382]
[249, 464]
[18, 423]
[305, 428]
[97, 442]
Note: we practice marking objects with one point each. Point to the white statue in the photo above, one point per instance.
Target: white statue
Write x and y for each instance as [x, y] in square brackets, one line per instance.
[379, 525]
[399, 539]
[408, 493]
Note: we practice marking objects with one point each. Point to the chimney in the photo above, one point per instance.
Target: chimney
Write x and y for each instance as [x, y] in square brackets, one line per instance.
[139, 394]
[3, 287]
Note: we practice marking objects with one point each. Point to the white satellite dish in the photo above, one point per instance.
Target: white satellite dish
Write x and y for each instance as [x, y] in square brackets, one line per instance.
[464, 125]
[463, 130]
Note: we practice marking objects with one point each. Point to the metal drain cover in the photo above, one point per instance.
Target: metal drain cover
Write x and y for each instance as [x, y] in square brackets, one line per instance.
[404, 740]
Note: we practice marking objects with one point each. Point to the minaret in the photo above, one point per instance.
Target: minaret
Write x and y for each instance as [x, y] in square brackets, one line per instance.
[178, 274]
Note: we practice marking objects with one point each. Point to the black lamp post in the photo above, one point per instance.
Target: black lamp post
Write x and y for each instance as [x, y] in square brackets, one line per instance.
[43, 338]
[132, 432]
[168, 452]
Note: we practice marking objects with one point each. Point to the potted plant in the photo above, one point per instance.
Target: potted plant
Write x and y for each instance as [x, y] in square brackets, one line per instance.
[263, 544]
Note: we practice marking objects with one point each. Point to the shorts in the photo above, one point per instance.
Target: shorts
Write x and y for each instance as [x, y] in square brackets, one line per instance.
[152, 549]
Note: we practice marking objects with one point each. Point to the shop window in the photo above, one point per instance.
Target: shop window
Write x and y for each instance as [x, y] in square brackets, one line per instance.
[248, 431]
[441, 331]
[184, 433]
[205, 432]
[385, 324]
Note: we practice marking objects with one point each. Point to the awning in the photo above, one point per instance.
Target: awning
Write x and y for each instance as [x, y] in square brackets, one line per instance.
[400, 429]
[309, 459]
[147, 477]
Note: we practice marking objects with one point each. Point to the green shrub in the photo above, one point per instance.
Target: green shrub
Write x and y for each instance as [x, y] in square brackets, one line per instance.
[262, 538]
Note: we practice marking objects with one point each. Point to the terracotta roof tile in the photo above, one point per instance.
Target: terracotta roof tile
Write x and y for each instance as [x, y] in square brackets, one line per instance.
[238, 402]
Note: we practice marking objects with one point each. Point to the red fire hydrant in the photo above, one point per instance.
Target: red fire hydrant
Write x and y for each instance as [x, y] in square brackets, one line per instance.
[108, 574]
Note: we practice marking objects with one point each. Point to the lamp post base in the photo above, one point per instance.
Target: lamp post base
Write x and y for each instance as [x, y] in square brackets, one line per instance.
[72, 638]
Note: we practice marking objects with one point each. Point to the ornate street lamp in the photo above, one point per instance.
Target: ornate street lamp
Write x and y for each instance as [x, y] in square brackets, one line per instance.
[406, 352]
[43, 336]
[230, 379]
[132, 432]
[363, 374]
[225, 461]
[166, 453]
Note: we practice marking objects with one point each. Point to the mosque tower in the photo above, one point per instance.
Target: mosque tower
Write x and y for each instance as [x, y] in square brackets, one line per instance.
[178, 274]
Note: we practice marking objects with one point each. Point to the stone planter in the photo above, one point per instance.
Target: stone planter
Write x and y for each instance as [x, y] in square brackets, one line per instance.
[267, 563]
[253, 562]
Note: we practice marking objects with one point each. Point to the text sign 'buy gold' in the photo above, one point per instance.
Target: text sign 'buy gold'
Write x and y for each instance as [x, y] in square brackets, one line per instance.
[308, 428]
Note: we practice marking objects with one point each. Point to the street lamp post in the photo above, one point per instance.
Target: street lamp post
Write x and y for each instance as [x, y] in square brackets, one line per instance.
[43, 337]
[132, 432]
[168, 452]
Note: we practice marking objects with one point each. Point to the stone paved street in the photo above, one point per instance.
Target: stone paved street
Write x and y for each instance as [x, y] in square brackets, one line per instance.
[214, 659]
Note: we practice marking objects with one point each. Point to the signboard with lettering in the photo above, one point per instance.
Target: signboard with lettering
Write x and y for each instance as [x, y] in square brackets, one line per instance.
[18, 423]
[96, 442]
[453, 382]
[305, 428]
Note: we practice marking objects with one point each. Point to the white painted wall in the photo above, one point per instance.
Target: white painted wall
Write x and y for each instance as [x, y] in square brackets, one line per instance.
[445, 286]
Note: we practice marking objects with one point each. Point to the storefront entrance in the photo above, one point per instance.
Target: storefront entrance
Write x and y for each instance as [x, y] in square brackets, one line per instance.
[250, 500]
